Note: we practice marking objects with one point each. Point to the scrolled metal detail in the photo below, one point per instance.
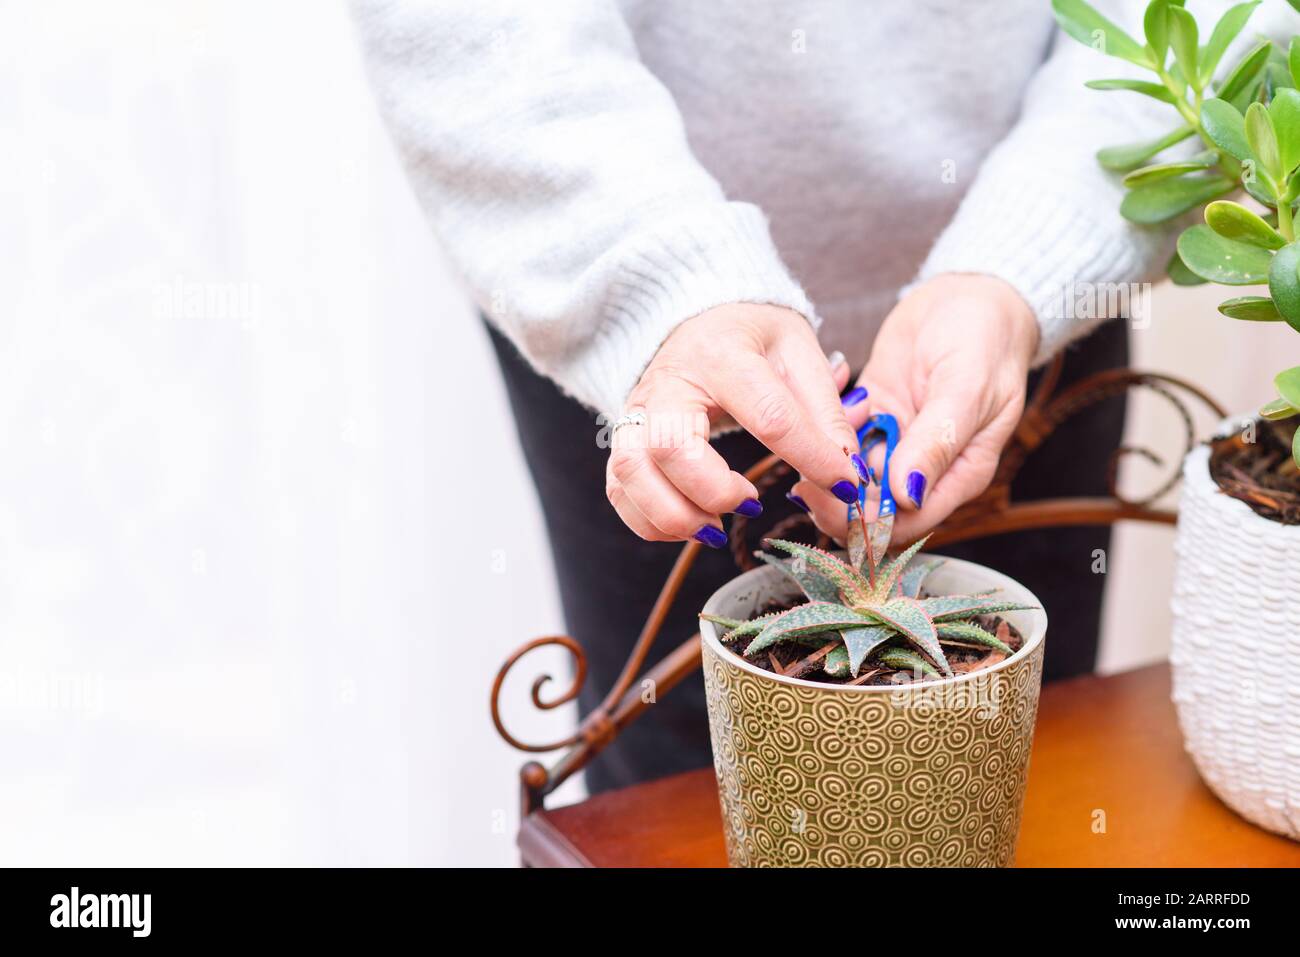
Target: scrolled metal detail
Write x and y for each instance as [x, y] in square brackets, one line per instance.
[1112, 474]
[1115, 382]
[579, 677]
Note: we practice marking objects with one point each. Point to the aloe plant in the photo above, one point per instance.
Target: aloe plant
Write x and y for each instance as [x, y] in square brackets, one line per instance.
[1249, 125]
[872, 609]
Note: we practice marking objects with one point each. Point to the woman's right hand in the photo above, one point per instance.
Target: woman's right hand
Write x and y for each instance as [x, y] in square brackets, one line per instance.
[760, 365]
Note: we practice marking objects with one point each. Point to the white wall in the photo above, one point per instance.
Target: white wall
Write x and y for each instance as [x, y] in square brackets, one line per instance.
[265, 533]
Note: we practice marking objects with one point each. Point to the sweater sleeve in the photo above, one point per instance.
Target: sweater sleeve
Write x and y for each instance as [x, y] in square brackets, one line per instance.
[1041, 213]
[556, 173]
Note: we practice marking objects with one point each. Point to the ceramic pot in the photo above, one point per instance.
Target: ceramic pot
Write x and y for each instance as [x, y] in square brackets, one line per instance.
[822, 775]
[1237, 586]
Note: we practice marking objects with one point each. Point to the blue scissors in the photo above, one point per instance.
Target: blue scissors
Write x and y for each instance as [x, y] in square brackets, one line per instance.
[881, 427]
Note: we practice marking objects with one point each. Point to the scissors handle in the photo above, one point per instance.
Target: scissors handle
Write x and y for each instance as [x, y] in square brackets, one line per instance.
[881, 427]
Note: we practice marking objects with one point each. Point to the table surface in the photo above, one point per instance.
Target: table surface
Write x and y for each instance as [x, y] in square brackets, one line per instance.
[1102, 744]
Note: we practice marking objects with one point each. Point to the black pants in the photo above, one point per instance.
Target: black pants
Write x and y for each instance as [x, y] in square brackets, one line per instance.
[609, 578]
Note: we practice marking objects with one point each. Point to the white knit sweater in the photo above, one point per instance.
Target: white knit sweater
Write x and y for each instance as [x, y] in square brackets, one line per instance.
[600, 171]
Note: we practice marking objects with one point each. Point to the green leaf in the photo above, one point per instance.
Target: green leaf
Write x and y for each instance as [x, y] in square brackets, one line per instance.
[836, 662]
[905, 659]
[1234, 221]
[1246, 71]
[888, 574]
[815, 585]
[1293, 60]
[861, 642]
[968, 631]
[1251, 309]
[811, 639]
[1163, 200]
[1284, 286]
[814, 617]
[1225, 31]
[1153, 90]
[956, 607]
[1276, 76]
[1184, 38]
[908, 618]
[1132, 155]
[1295, 447]
[1090, 28]
[1278, 409]
[726, 624]
[1155, 26]
[1150, 174]
[1220, 260]
[850, 584]
[1284, 111]
[914, 577]
[1262, 139]
[1179, 274]
[1288, 385]
[1226, 128]
[735, 628]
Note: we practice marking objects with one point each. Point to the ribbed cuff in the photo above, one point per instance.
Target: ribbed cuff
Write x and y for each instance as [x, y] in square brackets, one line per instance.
[718, 255]
[1050, 248]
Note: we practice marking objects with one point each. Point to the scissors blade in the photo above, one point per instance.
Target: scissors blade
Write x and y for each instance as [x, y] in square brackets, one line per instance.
[857, 539]
[882, 531]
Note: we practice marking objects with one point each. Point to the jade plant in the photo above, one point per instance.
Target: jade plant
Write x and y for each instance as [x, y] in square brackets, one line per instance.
[868, 609]
[1248, 125]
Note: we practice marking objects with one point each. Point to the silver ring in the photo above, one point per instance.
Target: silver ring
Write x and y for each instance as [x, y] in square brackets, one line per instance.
[631, 418]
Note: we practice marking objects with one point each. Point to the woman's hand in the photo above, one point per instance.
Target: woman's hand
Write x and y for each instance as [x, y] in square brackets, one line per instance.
[950, 362]
[762, 367]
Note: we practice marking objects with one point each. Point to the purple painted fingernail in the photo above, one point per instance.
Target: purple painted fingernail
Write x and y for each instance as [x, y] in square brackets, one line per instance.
[860, 467]
[916, 487]
[845, 491]
[713, 537]
[798, 502]
[854, 396]
[750, 508]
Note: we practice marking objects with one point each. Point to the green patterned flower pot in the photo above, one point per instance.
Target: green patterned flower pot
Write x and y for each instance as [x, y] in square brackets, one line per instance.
[821, 775]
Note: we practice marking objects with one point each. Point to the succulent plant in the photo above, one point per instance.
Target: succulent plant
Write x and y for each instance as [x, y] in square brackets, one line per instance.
[1249, 127]
[874, 608]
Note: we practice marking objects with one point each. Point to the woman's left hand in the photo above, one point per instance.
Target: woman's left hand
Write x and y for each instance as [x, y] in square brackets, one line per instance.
[950, 362]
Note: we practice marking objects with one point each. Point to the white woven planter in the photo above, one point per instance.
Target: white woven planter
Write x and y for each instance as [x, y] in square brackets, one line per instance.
[1237, 588]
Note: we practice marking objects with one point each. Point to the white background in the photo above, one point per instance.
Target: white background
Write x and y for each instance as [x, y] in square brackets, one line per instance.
[265, 533]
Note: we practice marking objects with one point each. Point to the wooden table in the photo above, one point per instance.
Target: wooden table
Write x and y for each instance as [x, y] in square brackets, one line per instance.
[1102, 744]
